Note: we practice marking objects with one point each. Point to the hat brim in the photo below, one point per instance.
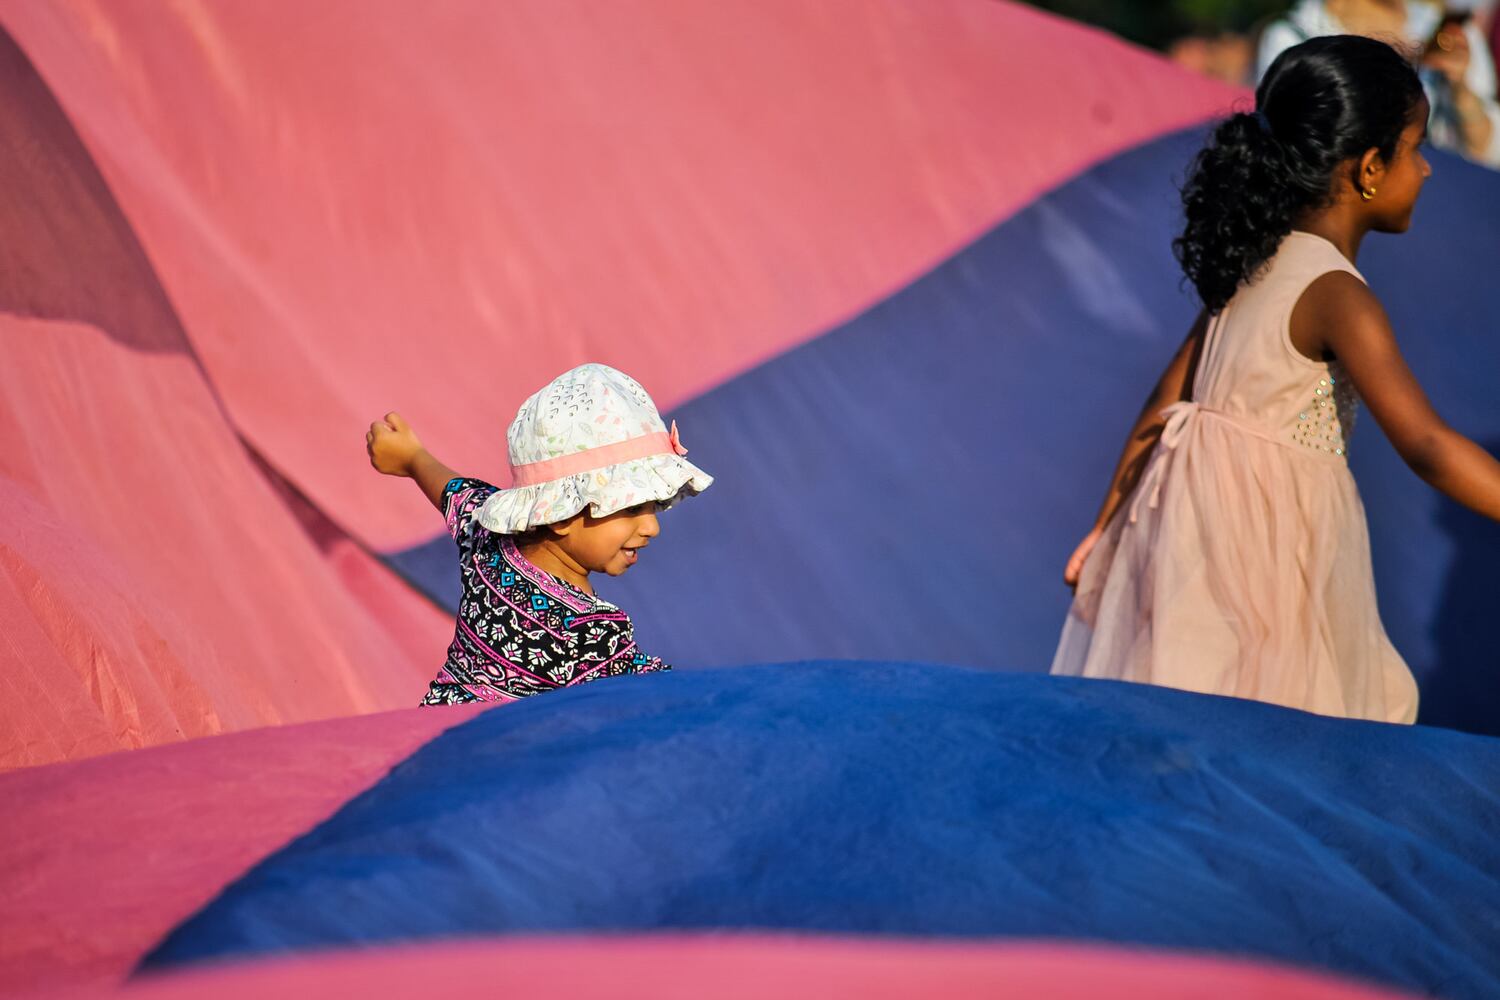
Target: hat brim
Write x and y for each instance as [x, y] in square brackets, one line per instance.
[661, 479]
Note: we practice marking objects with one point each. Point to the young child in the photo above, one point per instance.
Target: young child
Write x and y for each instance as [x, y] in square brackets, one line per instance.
[591, 465]
[1231, 555]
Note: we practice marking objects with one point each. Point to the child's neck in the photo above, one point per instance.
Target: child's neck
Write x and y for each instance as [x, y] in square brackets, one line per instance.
[1337, 228]
[547, 556]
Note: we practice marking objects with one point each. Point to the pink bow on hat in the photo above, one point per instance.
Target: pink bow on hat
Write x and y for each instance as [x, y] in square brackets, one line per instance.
[676, 441]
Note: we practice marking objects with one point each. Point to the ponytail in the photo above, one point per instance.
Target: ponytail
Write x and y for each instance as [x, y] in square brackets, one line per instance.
[1322, 103]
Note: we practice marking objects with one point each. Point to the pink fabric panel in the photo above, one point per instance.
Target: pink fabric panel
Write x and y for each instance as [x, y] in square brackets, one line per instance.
[153, 586]
[102, 857]
[752, 968]
[357, 205]
[419, 629]
[156, 581]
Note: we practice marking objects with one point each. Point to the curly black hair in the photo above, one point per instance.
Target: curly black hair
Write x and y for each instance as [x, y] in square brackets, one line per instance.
[1320, 104]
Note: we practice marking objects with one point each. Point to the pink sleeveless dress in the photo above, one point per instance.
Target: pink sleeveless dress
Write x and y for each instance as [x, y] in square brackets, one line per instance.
[1240, 565]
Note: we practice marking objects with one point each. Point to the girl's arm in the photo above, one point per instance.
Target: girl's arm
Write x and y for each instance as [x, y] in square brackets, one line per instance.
[1358, 333]
[395, 451]
[1174, 385]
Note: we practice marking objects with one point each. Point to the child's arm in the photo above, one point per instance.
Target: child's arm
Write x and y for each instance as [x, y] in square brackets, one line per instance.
[1358, 333]
[395, 451]
[1173, 386]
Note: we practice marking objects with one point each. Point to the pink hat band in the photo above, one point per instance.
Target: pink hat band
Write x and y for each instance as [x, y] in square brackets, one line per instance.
[645, 446]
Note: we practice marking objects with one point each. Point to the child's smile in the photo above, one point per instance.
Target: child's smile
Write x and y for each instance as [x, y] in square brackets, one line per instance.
[586, 544]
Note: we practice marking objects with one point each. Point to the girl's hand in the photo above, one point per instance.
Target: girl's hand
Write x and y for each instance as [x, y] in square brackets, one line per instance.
[1080, 556]
[393, 445]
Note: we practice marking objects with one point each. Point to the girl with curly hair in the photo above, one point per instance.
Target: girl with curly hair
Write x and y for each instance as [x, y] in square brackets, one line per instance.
[1231, 554]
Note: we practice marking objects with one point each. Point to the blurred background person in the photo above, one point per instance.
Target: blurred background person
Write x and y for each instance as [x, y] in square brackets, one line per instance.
[1450, 45]
[1229, 56]
[1211, 37]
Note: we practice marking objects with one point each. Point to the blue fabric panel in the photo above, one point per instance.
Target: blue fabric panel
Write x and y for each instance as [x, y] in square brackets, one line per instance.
[909, 485]
[432, 568]
[906, 799]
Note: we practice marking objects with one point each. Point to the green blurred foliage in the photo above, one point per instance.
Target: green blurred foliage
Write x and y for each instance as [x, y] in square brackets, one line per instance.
[1158, 23]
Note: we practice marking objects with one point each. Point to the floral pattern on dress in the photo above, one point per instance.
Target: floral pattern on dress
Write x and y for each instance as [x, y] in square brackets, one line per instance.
[521, 631]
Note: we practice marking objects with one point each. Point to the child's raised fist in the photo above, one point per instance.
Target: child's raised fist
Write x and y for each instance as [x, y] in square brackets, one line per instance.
[392, 445]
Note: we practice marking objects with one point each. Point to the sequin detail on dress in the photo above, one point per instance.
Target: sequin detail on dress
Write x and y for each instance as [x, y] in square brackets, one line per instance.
[1328, 421]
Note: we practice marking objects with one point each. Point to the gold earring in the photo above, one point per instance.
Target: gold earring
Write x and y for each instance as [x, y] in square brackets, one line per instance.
[1367, 195]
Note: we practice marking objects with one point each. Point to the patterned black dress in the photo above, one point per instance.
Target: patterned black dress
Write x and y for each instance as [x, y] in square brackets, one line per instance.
[521, 631]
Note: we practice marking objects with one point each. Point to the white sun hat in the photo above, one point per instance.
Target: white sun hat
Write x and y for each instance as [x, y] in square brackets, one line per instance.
[590, 438]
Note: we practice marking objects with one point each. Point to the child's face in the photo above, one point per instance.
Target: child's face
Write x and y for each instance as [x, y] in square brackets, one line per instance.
[1404, 176]
[608, 544]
